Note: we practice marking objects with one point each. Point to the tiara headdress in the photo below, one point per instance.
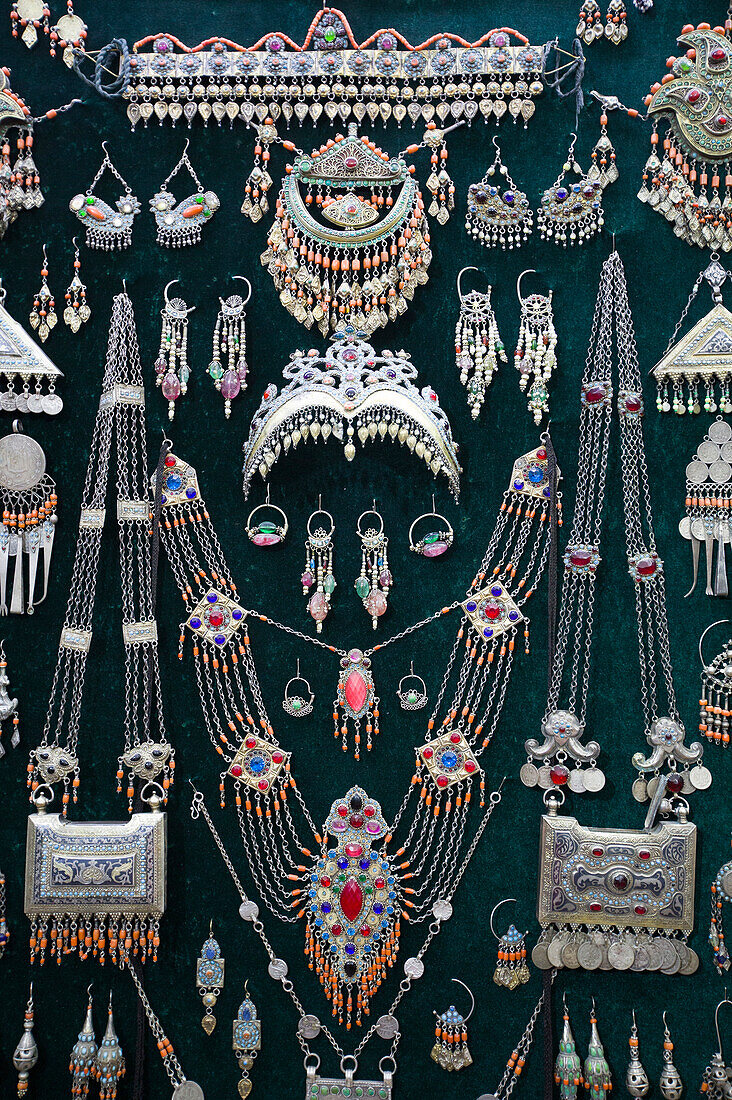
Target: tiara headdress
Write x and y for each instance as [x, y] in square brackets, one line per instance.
[354, 394]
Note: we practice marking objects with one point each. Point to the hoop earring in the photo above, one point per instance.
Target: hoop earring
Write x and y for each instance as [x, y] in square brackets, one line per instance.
[179, 224]
[511, 969]
[267, 532]
[571, 213]
[435, 542]
[715, 1081]
[105, 227]
[375, 580]
[319, 567]
[495, 217]
[298, 706]
[535, 358]
[412, 699]
[42, 316]
[451, 1033]
[478, 345]
[171, 366]
[716, 678]
[230, 347]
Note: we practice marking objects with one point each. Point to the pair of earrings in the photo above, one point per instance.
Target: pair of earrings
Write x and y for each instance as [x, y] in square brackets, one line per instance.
[590, 26]
[247, 1030]
[499, 213]
[228, 367]
[478, 346]
[103, 1063]
[43, 317]
[637, 1080]
[569, 1073]
[178, 223]
[29, 17]
[375, 580]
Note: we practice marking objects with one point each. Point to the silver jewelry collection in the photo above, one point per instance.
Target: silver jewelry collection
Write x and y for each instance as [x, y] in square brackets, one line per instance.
[368, 878]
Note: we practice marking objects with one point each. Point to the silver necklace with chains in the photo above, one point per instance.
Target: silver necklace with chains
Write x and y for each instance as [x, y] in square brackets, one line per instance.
[562, 757]
[342, 880]
[310, 1027]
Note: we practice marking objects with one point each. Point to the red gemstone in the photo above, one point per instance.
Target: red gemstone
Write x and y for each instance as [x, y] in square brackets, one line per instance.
[541, 453]
[216, 618]
[356, 691]
[169, 460]
[351, 900]
[693, 96]
[674, 783]
[640, 910]
[342, 811]
[593, 394]
[369, 811]
[263, 784]
[470, 765]
[379, 883]
[428, 754]
[722, 120]
[491, 610]
[595, 907]
[351, 162]
[581, 558]
[598, 852]
[336, 929]
[718, 55]
[325, 881]
[354, 850]
[620, 881]
[365, 931]
[455, 738]
[250, 742]
[236, 769]
[646, 567]
[633, 404]
[356, 821]
[559, 775]
[441, 780]
[277, 757]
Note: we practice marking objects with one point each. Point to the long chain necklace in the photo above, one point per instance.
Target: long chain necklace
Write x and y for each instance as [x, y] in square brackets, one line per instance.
[310, 1026]
[562, 756]
[121, 416]
[354, 895]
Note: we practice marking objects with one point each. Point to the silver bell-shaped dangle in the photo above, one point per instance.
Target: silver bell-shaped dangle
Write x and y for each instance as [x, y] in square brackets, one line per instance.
[26, 1052]
[670, 1084]
[110, 1062]
[636, 1079]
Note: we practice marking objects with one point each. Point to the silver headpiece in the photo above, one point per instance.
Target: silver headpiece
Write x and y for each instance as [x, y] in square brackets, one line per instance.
[354, 394]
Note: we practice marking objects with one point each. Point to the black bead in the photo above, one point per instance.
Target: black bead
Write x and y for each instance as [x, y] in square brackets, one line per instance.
[356, 802]
[349, 969]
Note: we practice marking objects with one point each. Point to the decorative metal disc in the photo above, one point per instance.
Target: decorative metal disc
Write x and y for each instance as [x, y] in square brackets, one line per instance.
[620, 955]
[277, 969]
[188, 1090]
[720, 472]
[22, 462]
[529, 775]
[589, 955]
[414, 968]
[697, 472]
[539, 956]
[594, 779]
[309, 1027]
[708, 452]
[442, 909]
[692, 965]
[387, 1027]
[720, 432]
[701, 777]
[569, 955]
[249, 910]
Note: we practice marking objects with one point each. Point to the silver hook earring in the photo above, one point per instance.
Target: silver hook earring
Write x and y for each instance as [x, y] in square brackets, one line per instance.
[76, 312]
[670, 1084]
[318, 572]
[636, 1078]
[374, 582]
[180, 224]
[42, 316]
[498, 213]
[8, 706]
[296, 705]
[415, 697]
[478, 345]
[571, 213]
[717, 1076]
[106, 228]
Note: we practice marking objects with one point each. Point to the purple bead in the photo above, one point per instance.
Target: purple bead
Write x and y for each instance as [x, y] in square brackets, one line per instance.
[385, 579]
[500, 40]
[508, 198]
[160, 366]
[275, 44]
[561, 193]
[230, 384]
[171, 387]
[307, 579]
[242, 369]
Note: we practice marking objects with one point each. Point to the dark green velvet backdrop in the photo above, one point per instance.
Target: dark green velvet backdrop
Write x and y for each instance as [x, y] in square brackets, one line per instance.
[660, 272]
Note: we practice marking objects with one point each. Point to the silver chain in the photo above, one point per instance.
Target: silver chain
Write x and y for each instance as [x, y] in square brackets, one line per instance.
[170, 1062]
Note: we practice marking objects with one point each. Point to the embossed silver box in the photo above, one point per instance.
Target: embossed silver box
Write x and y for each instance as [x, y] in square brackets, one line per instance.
[628, 878]
[100, 868]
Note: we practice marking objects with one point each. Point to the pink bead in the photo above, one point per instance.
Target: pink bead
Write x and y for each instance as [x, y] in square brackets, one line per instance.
[318, 606]
[171, 387]
[375, 603]
[265, 539]
[230, 384]
[435, 549]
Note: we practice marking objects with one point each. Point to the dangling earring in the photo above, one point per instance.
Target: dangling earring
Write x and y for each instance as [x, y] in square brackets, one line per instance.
[570, 213]
[319, 567]
[616, 26]
[511, 969]
[535, 358]
[259, 180]
[267, 532]
[26, 1052]
[171, 366]
[210, 979]
[43, 315]
[436, 541]
[83, 1056]
[670, 1083]
[721, 892]
[439, 183]
[105, 227]
[8, 706]
[589, 27]
[568, 1067]
[298, 706]
[77, 311]
[604, 169]
[4, 932]
[247, 1040]
[478, 346]
[497, 216]
[230, 345]
[180, 224]
[597, 1076]
[451, 1033]
[636, 1078]
[411, 698]
[374, 581]
[33, 16]
[716, 678]
[717, 1076]
[110, 1063]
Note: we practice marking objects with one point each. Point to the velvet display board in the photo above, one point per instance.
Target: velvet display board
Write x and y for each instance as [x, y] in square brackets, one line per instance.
[660, 273]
